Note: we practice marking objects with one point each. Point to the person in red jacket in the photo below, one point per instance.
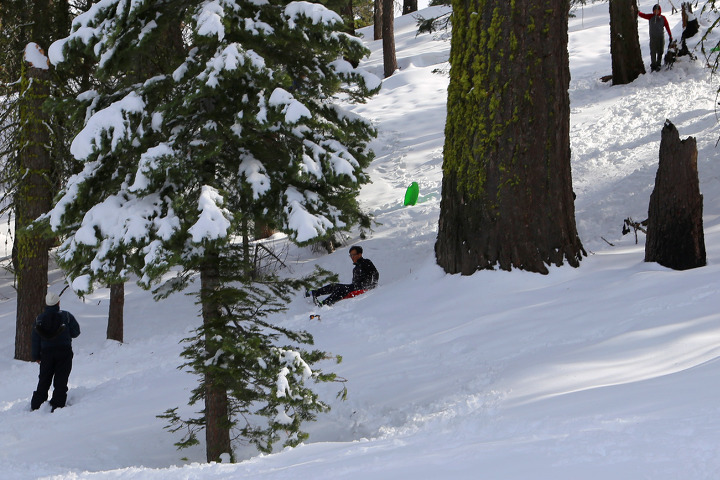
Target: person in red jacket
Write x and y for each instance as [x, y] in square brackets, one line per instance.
[657, 22]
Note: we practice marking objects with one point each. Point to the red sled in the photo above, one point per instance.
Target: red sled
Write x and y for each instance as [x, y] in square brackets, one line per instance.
[354, 293]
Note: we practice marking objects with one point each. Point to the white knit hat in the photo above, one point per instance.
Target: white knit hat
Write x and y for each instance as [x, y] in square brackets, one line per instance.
[51, 299]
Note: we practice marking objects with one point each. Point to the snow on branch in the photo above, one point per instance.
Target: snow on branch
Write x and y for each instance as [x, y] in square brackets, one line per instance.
[293, 109]
[148, 163]
[95, 26]
[255, 175]
[315, 12]
[112, 121]
[341, 161]
[35, 56]
[213, 222]
[229, 58]
[119, 221]
[70, 194]
[209, 20]
[292, 361]
[85, 29]
[345, 70]
[304, 225]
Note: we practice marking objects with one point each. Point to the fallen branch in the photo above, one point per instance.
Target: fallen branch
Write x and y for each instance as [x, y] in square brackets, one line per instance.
[635, 226]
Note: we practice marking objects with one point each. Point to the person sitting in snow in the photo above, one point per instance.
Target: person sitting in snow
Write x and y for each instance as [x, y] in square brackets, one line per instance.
[365, 277]
[52, 349]
[657, 22]
[690, 27]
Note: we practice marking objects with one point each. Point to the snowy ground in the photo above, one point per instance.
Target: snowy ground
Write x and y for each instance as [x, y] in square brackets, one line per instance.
[610, 370]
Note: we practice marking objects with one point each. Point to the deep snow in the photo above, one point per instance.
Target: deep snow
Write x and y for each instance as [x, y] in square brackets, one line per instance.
[609, 370]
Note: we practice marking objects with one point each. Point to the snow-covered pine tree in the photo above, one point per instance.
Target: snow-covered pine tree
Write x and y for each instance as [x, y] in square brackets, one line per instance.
[245, 127]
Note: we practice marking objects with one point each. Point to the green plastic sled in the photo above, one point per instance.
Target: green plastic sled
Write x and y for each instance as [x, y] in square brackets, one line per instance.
[411, 194]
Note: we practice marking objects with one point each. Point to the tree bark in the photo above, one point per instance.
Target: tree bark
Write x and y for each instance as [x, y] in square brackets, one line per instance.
[24, 21]
[40, 21]
[378, 15]
[388, 37]
[507, 198]
[675, 237]
[627, 62]
[33, 199]
[217, 427]
[349, 17]
[409, 6]
[115, 312]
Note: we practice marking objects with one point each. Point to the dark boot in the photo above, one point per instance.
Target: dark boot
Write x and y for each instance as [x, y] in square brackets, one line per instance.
[38, 399]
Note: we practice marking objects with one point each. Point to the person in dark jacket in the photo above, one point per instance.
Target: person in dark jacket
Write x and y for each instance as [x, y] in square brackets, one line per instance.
[690, 27]
[365, 277]
[658, 23]
[53, 351]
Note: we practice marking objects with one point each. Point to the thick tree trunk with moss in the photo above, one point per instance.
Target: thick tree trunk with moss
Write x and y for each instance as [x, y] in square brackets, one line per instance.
[507, 198]
[34, 198]
[21, 22]
[675, 237]
[627, 62]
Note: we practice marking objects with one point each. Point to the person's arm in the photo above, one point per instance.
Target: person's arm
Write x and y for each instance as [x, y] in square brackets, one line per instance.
[375, 275]
[667, 27]
[73, 325]
[646, 16]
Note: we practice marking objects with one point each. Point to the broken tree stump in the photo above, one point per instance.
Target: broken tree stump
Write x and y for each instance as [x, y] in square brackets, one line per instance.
[675, 237]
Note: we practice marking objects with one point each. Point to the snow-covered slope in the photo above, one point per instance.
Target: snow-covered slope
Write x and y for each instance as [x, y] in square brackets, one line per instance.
[610, 370]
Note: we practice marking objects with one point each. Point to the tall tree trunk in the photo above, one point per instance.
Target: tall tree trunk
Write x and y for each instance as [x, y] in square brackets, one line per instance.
[115, 312]
[409, 6]
[627, 62]
[675, 237]
[33, 199]
[217, 427]
[388, 37]
[378, 16]
[507, 197]
[349, 17]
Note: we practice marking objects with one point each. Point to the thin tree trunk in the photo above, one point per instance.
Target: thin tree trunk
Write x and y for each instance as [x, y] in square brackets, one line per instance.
[378, 16]
[507, 198]
[409, 6]
[217, 427]
[33, 199]
[349, 17]
[156, 60]
[627, 62]
[115, 312]
[388, 37]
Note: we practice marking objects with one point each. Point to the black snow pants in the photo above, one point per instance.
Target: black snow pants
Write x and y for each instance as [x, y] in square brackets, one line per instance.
[55, 367]
[336, 291]
[657, 48]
